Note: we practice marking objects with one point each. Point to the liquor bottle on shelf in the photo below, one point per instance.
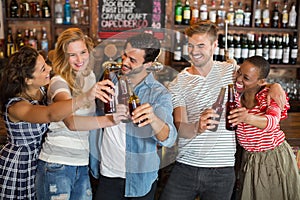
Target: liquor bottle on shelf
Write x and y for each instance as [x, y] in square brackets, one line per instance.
[266, 15]
[186, 13]
[178, 12]
[32, 39]
[251, 44]
[212, 15]
[84, 10]
[46, 12]
[239, 15]
[203, 11]
[294, 50]
[67, 12]
[19, 40]
[292, 17]
[245, 50]
[286, 49]
[230, 14]
[218, 107]
[195, 12]
[75, 19]
[58, 9]
[26, 37]
[272, 51]
[284, 15]
[35, 9]
[185, 48]
[221, 14]
[266, 47]
[44, 41]
[230, 46]
[279, 50]
[110, 106]
[10, 44]
[14, 9]
[257, 14]
[237, 48]
[247, 16]
[24, 9]
[258, 46]
[177, 50]
[221, 42]
[275, 16]
[230, 105]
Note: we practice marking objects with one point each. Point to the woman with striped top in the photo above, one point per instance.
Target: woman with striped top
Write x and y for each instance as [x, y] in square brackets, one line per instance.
[269, 169]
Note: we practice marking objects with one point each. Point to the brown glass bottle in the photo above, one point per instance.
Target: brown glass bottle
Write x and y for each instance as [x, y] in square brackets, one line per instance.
[230, 105]
[218, 107]
[133, 103]
[110, 106]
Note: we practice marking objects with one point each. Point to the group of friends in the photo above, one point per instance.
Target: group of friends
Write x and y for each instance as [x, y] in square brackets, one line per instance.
[57, 136]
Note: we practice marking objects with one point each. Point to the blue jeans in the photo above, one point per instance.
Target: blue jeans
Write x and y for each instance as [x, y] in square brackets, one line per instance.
[58, 181]
[114, 189]
[187, 182]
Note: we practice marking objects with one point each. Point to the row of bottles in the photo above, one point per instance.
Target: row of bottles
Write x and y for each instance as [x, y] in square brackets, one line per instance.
[277, 49]
[286, 18]
[64, 12]
[236, 15]
[28, 37]
[67, 14]
[25, 9]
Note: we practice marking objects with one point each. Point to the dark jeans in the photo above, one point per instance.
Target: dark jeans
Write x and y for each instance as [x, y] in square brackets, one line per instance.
[187, 182]
[114, 189]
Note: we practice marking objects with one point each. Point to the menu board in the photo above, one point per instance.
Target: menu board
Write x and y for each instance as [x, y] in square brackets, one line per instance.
[122, 18]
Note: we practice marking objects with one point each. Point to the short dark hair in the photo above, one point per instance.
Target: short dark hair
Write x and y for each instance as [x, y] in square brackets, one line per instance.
[147, 42]
[203, 27]
[262, 64]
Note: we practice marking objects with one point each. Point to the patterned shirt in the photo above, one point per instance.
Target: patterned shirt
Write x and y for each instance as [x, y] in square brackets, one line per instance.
[255, 139]
[197, 93]
[18, 158]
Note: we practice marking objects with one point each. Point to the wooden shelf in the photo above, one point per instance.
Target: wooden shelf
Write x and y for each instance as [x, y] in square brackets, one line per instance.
[28, 19]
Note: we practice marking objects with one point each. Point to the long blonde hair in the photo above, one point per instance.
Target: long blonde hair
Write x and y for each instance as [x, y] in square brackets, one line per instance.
[60, 61]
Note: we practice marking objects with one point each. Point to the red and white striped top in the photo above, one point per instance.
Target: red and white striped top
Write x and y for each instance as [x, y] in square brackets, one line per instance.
[254, 139]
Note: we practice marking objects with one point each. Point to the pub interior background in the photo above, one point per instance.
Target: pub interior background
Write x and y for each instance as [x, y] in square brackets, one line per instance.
[39, 22]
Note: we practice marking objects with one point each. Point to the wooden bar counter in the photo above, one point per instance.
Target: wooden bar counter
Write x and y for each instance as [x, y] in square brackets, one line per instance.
[291, 128]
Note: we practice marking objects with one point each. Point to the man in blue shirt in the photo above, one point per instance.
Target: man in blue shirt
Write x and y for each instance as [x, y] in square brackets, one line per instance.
[129, 162]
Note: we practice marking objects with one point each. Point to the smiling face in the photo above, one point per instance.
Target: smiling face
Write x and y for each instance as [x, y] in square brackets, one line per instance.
[41, 74]
[133, 61]
[78, 55]
[248, 78]
[201, 49]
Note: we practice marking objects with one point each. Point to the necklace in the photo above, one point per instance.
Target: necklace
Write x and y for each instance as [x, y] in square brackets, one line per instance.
[37, 97]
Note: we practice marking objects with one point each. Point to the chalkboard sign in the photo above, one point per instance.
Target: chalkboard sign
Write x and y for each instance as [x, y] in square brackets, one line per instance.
[122, 18]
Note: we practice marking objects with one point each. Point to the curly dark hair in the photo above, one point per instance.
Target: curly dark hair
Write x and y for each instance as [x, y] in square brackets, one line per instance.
[21, 65]
[147, 42]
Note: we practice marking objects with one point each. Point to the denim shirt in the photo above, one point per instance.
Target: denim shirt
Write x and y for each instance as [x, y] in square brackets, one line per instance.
[142, 160]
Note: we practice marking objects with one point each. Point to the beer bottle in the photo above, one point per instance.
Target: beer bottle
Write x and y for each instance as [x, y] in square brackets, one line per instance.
[123, 93]
[218, 107]
[110, 106]
[133, 102]
[230, 105]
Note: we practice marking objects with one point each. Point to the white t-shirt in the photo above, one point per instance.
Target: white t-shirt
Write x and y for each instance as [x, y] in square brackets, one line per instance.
[62, 145]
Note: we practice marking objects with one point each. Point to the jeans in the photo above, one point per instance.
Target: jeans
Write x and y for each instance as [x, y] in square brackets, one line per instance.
[114, 189]
[58, 181]
[187, 182]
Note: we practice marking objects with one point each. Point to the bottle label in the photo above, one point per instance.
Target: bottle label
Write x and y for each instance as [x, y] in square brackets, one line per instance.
[272, 53]
[294, 53]
[186, 14]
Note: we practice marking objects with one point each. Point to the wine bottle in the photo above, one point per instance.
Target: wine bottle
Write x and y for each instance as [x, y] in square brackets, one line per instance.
[230, 105]
[178, 12]
[186, 13]
[218, 107]
[14, 9]
[46, 12]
